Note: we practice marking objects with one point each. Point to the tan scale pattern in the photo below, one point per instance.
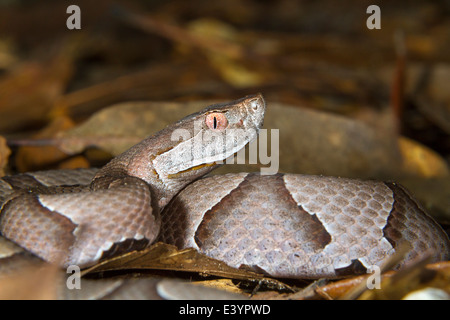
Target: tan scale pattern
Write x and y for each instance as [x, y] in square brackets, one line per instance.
[5, 191]
[41, 231]
[353, 212]
[179, 226]
[252, 226]
[409, 223]
[105, 212]
[124, 213]
[259, 225]
[64, 176]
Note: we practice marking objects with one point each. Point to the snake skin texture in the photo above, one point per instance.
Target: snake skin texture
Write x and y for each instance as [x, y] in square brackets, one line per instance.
[283, 225]
[55, 234]
[80, 217]
[299, 225]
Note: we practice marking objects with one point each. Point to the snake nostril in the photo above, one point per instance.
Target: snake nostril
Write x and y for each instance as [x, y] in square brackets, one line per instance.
[254, 104]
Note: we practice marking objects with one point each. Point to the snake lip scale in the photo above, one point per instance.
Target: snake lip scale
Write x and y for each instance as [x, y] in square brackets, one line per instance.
[284, 225]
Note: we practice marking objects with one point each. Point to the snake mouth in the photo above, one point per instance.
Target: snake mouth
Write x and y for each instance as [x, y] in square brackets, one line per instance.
[205, 140]
[189, 170]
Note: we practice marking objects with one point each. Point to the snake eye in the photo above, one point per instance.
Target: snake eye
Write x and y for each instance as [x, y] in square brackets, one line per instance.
[216, 121]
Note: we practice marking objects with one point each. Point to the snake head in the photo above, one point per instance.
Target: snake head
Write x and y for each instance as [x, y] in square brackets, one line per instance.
[202, 141]
[191, 147]
[246, 113]
[207, 138]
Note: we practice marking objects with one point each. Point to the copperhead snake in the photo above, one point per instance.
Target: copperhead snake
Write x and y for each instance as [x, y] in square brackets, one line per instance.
[284, 225]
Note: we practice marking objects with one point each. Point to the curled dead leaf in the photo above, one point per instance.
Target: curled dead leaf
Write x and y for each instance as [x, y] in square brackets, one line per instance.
[394, 284]
[161, 256]
[120, 126]
[32, 158]
[4, 154]
[326, 143]
[24, 276]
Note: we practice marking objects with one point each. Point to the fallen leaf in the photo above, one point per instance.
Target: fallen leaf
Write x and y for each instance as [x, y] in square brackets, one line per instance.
[321, 143]
[326, 144]
[32, 158]
[7, 56]
[230, 66]
[183, 290]
[428, 294]
[434, 98]
[4, 155]
[161, 256]
[421, 161]
[411, 279]
[29, 91]
[394, 284]
[433, 194]
[119, 127]
[23, 276]
[30, 284]
[221, 284]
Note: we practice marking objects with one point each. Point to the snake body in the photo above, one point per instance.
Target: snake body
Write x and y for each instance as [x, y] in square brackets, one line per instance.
[284, 225]
[291, 225]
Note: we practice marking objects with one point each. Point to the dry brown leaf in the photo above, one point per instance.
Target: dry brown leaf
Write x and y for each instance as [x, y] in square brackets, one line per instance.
[313, 142]
[183, 290]
[161, 256]
[230, 67]
[30, 90]
[14, 258]
[221, 284]
[119, 127]
[74, 163]
[394, 284]
[7, 54]
[30, 284]
[235, 73]
[421, 161]
[32, 158]
[25, 277]
[215, 38]
[433, 194]
[4, 154]
[411, 279]
[434, 99]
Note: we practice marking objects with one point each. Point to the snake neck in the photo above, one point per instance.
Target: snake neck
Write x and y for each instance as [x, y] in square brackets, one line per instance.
[137, 162]
[189, 148]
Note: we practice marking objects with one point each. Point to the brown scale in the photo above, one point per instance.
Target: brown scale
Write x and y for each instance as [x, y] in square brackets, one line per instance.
[409, 223]
[260, 219]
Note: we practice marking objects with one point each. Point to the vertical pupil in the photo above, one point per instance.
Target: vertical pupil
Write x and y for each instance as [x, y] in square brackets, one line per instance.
[215, 123]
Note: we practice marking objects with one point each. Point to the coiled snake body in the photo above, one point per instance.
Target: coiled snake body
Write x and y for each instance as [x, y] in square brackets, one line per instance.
[284, 225]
